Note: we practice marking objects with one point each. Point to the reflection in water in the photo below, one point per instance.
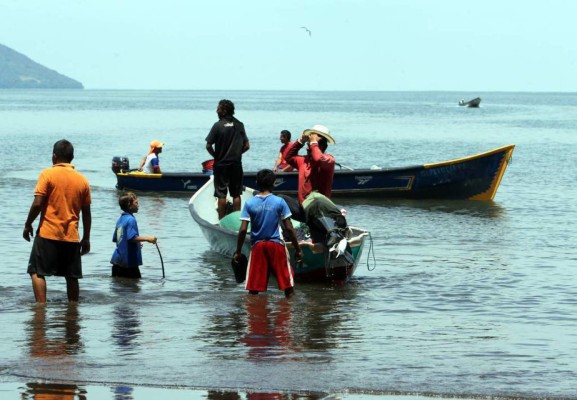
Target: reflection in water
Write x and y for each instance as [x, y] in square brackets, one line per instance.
[222, 395]
[55, 336]
[124, 286]
[122, 392]
[326, 320]
[126, 326]
[53, 391]
[54, 333]
[58, 391]
[126, 322]
[218, 265]
[308, 327]
[268, 328]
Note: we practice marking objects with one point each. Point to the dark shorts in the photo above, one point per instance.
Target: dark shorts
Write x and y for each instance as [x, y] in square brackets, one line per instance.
[298, 214]
[125, 272]
[53, 257]
[227, 177]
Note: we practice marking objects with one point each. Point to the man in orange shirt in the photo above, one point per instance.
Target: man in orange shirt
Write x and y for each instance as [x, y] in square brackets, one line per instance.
[62, 194]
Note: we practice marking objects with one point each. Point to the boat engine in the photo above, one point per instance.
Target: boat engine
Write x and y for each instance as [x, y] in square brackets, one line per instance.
[330, 227]
[325, 224]
[120, 164]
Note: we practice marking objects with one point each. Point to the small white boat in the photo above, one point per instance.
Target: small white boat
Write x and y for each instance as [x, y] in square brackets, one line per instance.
[317, 266]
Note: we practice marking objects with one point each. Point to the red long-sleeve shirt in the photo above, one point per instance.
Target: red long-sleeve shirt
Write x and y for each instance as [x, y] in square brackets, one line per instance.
[316, 169]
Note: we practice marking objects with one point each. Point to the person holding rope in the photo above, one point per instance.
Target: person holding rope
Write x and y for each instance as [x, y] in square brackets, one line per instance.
[127, 256]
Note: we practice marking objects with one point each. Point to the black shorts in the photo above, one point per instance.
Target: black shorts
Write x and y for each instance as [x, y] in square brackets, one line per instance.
[54, 257]
[125, 272]
[228, 177]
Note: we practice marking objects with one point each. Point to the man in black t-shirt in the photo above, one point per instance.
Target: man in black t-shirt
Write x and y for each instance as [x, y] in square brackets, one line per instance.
[226, 142]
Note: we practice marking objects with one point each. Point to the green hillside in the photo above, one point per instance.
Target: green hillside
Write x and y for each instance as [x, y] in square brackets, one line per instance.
[19, 72]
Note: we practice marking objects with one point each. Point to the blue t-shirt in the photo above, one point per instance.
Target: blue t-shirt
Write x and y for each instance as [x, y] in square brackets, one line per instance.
[265, 214]
[126, 254]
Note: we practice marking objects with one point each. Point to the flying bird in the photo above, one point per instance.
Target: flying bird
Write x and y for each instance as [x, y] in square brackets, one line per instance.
[307, 29]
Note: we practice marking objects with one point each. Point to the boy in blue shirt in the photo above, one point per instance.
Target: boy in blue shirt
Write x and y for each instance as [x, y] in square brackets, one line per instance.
[266, 212]
[127, 255]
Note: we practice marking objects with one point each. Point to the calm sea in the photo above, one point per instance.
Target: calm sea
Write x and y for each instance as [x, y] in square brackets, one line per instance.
[459, 298]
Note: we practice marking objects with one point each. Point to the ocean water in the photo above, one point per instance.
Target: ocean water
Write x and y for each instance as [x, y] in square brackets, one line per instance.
[457, 299]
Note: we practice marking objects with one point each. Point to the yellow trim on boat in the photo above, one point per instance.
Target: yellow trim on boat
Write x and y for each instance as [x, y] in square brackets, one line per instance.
[480, 155]
[140, 175]
[492, 191]
[489, 194]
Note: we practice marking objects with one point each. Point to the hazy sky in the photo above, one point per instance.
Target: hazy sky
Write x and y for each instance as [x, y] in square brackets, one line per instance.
[460, 45]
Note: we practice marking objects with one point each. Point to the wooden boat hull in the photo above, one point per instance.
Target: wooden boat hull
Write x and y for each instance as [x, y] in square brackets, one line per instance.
[475, 177]
[314, 268]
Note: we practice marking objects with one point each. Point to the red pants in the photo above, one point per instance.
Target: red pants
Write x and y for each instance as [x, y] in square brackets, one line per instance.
[266, 257]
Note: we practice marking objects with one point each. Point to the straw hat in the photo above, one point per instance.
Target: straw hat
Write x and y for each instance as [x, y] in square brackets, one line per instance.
[321, 130]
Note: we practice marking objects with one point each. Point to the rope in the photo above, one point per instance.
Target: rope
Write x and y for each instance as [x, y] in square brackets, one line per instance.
[161, 262]
[371, 250]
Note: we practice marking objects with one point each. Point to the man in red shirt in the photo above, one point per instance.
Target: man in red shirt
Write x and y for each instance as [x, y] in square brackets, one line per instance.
[281, 165]
[317, 168]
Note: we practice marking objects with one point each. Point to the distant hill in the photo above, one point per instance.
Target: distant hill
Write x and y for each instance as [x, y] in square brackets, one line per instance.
[19, 72]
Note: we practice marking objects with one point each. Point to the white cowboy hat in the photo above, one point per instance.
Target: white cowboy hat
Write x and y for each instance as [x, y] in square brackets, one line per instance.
[321, 130]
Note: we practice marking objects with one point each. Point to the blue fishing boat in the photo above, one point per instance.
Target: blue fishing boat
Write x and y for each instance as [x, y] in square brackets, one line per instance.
[475, 177]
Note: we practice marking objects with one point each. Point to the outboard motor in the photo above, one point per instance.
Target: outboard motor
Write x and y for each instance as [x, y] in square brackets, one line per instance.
[328, 226]
[120, 164]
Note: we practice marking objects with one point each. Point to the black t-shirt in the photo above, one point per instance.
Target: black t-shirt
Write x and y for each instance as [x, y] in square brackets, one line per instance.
[228, 136]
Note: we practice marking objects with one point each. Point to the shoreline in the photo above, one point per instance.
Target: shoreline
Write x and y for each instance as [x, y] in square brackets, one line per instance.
[117, 390]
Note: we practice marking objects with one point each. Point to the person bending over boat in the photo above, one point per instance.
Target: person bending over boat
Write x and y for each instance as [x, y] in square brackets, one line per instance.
[127, 256]
[316, 169]
[266, 212]
[226, 142]
[151, 164]
[281, 165]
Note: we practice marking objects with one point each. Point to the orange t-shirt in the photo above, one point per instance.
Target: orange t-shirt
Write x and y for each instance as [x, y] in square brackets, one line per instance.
[65, 191]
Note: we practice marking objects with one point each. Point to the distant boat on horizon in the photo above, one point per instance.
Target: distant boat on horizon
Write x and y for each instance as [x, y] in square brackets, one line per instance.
[474, 103]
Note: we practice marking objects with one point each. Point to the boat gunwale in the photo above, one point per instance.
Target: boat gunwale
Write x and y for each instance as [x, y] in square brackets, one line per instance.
[344, 172]
[461, 160]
